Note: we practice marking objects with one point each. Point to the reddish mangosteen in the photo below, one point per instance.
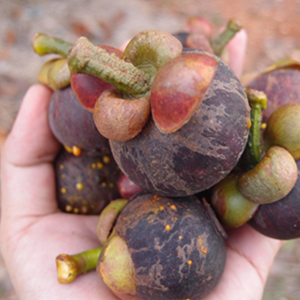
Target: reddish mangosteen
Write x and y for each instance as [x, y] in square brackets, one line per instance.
[74, 126]
[88, 88]
[127, 188]
[84, 184]
[202, 151]
[193, 146]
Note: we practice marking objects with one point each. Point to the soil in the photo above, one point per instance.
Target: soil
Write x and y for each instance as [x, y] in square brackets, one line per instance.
[273, 34]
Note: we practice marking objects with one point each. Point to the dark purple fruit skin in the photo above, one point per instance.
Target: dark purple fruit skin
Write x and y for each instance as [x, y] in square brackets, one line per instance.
[194, 158]
[161, 257]
[73, 125]
[281, 86]
[281, 219]
[98, 176]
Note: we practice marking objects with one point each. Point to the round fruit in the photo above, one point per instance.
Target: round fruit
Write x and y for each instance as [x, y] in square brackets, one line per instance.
[201, 152]
[85, 184]
[280, 85]
[73, 125]
[281, 219]
[163, 248]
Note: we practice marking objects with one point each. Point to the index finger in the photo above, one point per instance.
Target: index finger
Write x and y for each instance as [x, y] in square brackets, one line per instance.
[27, 175]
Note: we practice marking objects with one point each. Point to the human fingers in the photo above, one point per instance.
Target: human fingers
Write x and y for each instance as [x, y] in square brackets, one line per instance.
[236, 49]
[26, 159]
[249, 258]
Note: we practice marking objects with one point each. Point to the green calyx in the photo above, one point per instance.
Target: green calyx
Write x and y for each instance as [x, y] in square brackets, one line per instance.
[116, 268]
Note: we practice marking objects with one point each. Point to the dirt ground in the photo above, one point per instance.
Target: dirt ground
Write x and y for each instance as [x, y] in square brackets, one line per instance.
[273, 34]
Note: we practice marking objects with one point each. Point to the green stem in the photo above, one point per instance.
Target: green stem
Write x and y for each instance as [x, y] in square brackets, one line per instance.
[44, 44]
[69, 266]
[257, 101]
[84, 57]
[219, 42]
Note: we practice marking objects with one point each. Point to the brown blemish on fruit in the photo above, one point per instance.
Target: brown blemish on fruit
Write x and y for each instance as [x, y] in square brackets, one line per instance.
[94, 165]
[84, 209]
[63, 176]
[199, 242]
[104, 184]
[76, 210]
[61, 167]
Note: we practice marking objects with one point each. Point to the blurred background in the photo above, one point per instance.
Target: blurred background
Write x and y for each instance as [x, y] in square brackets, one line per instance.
[273, 34]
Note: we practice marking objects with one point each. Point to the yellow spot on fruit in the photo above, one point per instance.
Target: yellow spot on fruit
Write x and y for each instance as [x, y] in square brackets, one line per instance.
[204, 250]
[68, 149]
[263, 126]
[68, 208]
[63, 176]
[168, 227]
[189, 262]
[248, 125]
[173, 207]
[106, 159]
[161, 207]
[104, 184]
[76, 150]
[94, 165]
[100, 165]
[63, 190]
[180, 237]
[61, 167]
[79, 186]
[76, 210]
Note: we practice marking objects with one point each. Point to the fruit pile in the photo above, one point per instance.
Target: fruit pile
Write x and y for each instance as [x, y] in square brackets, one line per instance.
[164, 142]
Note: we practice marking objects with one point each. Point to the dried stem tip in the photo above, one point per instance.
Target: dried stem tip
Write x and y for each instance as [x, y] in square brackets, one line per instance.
[43, 44]
[69, 266]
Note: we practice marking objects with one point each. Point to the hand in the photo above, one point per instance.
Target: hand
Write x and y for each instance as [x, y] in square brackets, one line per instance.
[34, 231]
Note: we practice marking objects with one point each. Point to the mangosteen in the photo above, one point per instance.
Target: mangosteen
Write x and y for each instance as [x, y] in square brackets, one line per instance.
[163, 248]
[85, 184]
[198, 155]
[73, 125]
[280, 219]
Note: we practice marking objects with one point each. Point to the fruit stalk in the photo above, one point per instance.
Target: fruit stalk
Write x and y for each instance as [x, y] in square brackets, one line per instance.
[219, 42]
[84, 57]
[70, 266]
[257, 101]
[43, 44]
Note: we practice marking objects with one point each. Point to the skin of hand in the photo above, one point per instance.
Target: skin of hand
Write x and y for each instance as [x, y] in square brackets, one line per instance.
[34, 231]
